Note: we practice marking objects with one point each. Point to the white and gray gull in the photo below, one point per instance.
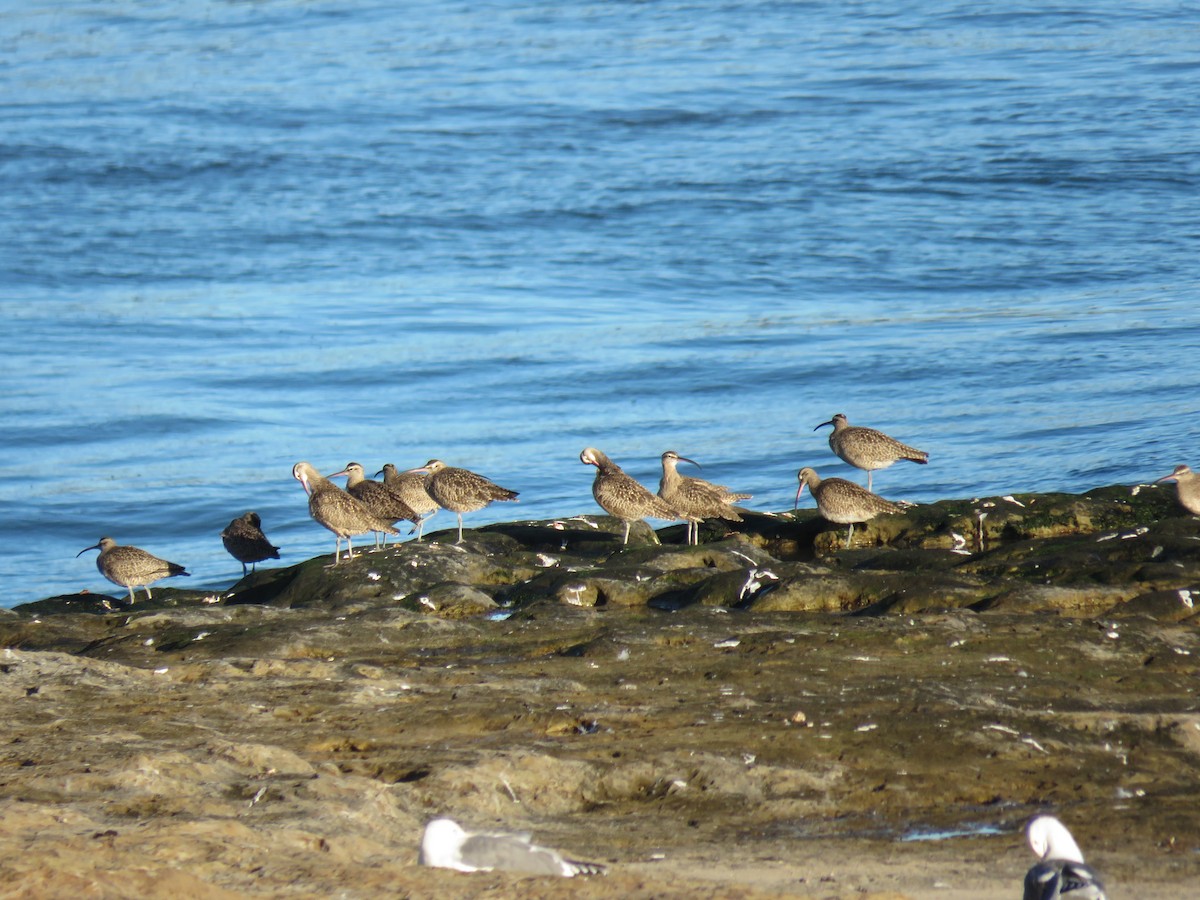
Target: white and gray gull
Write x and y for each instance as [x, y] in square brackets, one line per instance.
[448, 845]
[1060, 872]
[866, 448]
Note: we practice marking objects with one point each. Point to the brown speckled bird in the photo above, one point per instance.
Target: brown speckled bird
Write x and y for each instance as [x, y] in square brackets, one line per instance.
[694, 498]
[332, 507]
[131, 567]
[866, 448]
[376, 496]
[461, 490]
[410, 486]
[1187, 488]
[622, 496]
[843, 502]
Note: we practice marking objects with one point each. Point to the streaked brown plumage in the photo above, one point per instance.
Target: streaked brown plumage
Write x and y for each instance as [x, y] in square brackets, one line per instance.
[866, 448]
[410, 487]
[377, 497]
[332, 507]
[245, 541]
[694, 498]
[461, 490]
[622, 496]
[1187, 488]
[131, 567]
[843, 502]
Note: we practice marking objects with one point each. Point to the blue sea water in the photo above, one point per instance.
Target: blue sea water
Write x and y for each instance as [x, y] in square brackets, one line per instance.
[241, 234]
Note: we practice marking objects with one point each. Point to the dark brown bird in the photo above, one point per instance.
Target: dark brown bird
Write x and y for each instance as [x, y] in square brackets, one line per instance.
[622, 496]
[843, 502]
[131, 567]
[461, 490]
[332, 507]
[245, 541]
[1187, 488]
[377, 497]
[410, 486]
[866, 448]
[694, 498]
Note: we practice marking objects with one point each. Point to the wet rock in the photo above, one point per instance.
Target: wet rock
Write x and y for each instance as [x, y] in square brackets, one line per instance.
[1164, 606]
[452, 601]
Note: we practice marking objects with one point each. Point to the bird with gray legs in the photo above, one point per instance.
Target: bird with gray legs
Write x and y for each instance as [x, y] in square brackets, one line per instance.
[866, 448]
[447, 845]
[245, 541]
[843, 502]
[409, 485]
[1187, 488]
[694, 498]
[461, 490]
[377, 497]
[131, 567]
[622, 496]
[333, 508]
[1060, 872]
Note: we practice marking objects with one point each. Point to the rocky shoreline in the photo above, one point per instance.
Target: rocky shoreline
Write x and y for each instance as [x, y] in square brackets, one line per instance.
[762, 714]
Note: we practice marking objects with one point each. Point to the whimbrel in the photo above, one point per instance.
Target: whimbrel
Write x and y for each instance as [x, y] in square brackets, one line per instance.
[377, 497]
[694, 498]
[461, 490]
[622, 496]
[245, 541]
[866, 448]
[1187, 488]
[332, 507]
[448, 845]
[843, 502]
[131, 567]
[1060, 871]
[410, 486]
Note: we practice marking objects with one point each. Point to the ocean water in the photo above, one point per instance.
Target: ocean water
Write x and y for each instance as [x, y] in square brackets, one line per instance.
[241, 234]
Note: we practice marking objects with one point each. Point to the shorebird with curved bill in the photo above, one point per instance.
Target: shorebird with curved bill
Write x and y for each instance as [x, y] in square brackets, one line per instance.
[1060, 873]
[245, 541]
[131, 567]
[622, 496]
[694, 498]
[447, 845]
[866, 448]
[333, 508]
[1187, 488]
[461, 490]
[843, 502]
[409, 485]
[377, 497]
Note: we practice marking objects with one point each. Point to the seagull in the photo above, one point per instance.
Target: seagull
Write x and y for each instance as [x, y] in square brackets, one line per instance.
[1060, 871]
[447, 845]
